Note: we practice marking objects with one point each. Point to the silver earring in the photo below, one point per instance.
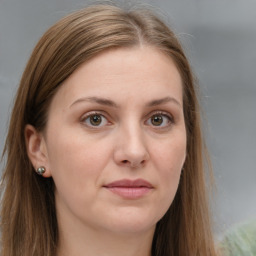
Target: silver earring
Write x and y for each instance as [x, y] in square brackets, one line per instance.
[40, 170]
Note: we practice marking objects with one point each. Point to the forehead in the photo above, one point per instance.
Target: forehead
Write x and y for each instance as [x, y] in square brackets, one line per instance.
[122, 73]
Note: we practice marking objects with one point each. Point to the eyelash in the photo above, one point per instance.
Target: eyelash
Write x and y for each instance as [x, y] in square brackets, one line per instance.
[91, 114]
[163, 114]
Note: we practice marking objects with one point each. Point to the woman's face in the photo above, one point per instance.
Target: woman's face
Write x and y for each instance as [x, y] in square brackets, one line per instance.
[115, 141]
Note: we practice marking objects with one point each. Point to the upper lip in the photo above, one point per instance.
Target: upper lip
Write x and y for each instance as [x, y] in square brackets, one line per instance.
[126, 183]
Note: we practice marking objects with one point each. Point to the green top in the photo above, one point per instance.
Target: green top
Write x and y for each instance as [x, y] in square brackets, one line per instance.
[240, 241]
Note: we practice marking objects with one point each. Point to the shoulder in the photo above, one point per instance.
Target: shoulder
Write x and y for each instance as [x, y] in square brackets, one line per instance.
[240, 240]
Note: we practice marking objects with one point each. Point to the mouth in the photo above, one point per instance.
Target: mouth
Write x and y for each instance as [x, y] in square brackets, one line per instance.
[130, 189]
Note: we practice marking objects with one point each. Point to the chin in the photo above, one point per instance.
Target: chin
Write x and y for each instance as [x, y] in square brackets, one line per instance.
[132, 222]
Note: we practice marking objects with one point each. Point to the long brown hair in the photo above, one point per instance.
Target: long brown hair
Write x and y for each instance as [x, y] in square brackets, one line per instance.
[28, 218]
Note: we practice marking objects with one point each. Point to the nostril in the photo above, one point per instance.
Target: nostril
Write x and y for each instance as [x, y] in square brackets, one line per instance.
[133, 164]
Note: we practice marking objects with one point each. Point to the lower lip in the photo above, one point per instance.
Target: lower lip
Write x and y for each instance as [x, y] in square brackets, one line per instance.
[130, 192]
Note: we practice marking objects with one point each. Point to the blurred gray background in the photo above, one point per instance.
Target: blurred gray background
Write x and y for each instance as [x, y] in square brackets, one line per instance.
[219, 37]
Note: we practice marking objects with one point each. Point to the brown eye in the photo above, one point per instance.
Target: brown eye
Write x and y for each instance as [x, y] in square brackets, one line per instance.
[160, 120]
[157, 120]
[95, 120]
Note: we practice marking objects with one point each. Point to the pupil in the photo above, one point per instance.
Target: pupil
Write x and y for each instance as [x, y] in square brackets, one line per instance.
[95, 120]
[157, 120]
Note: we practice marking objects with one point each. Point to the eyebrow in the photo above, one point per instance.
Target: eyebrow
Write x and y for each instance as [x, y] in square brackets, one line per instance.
[101, 101]
[110, 103]
[163, 101]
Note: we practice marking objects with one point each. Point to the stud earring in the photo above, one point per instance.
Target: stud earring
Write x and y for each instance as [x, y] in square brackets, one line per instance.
[40, 170]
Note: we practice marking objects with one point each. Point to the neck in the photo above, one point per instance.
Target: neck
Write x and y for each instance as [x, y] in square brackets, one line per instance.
[104, 244]
[86, 241]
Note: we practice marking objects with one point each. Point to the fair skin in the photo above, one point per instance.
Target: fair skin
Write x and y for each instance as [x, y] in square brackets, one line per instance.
[117, 117]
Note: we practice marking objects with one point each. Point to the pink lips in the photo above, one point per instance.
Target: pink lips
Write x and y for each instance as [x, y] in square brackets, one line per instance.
[130, 189]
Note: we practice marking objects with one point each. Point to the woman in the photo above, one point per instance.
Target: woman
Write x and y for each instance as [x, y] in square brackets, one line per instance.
[104, 150]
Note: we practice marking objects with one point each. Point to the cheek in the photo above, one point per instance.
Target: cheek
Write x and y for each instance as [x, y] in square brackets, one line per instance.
[169, 158]
[170, 155]
[74, 154]
[76, 162]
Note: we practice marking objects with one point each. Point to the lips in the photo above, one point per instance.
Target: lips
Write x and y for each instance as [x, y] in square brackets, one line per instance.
[130, 189]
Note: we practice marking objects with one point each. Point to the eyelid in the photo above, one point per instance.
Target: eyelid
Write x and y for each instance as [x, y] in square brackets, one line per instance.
[109, 122]
[163, 113]
[94, 112]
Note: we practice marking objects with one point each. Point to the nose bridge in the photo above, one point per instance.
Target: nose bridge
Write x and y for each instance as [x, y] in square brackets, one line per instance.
[134, 138]
[131, 145]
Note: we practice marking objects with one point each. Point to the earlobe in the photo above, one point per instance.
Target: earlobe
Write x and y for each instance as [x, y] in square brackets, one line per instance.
[36, 149]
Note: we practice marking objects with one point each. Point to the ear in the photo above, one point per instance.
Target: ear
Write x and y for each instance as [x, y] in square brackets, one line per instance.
[36, 149]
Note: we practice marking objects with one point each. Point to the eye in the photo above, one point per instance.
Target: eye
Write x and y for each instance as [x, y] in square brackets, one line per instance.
[95, 120]
[160, 120]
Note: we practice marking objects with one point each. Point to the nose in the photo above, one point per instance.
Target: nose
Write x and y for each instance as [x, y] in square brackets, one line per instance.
[131, 149]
